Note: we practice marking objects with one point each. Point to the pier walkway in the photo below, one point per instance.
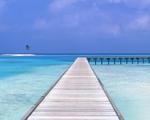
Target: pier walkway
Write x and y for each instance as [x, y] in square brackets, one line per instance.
[78, 95]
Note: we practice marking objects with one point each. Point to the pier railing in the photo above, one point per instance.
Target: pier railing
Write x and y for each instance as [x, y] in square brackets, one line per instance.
[119, 59]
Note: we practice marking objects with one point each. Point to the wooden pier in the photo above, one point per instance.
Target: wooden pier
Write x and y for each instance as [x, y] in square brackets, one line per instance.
[78, 95]
[119, 59]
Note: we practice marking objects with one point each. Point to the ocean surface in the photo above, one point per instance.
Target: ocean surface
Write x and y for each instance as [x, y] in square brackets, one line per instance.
[129, 87]
[23, 80]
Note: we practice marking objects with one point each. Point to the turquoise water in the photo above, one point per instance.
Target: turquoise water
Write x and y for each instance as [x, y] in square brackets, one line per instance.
[129, 86]
[23, 80]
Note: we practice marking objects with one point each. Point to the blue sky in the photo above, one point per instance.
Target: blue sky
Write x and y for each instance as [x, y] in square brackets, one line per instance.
[75, 26]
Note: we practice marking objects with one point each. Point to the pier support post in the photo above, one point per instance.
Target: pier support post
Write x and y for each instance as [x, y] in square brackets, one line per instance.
[132, 59]
[95, 61]
[137, 60]
[108, 59]
[101, 59]
[120, 60]
[126, 59]
[143, 60]
[114, 60]
[149, 60]
[89, 59]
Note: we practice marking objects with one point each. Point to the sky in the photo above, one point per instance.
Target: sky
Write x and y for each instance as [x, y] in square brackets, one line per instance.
[75, 26]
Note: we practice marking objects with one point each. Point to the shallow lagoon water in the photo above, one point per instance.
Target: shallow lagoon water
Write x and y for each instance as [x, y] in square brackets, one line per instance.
[129, 87]
[23, 80]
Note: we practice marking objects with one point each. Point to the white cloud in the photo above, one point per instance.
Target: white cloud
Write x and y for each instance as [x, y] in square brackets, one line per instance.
[141, 22]
[115, 1]
[41, 24]
[3, 27]
[2, 3]
[84, 19]
[98, 21]
[58, 5]
[114, 29]
[140, 4]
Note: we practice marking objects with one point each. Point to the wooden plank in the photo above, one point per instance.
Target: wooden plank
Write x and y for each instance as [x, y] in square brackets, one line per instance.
[74, 118]
[77, 96]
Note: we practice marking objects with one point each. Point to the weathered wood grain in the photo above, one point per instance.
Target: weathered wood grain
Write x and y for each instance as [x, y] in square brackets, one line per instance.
[77, 96]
